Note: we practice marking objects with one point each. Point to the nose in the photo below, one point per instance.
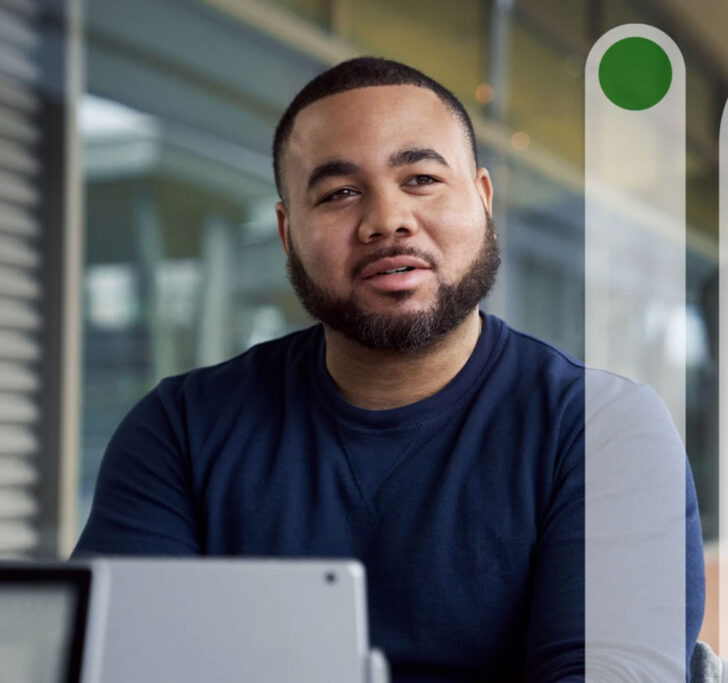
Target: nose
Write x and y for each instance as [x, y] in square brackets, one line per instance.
[386, 214]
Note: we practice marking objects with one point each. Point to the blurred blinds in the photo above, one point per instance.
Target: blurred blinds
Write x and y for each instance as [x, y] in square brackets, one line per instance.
[20, 277]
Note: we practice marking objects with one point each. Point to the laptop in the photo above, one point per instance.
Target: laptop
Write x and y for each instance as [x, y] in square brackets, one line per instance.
[188, 620]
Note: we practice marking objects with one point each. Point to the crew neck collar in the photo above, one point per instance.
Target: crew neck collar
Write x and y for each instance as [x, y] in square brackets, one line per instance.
[414, 414]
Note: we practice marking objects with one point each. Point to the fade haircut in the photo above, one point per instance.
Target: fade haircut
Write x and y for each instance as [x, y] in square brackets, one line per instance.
[361, 72]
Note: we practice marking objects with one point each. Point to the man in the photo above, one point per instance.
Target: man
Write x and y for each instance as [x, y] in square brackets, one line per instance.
[408, 429]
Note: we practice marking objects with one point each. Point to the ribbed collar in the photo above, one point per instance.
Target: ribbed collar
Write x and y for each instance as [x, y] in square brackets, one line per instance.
[459, 389]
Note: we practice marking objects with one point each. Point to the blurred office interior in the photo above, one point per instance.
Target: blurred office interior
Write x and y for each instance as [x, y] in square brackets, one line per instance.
[137, 231]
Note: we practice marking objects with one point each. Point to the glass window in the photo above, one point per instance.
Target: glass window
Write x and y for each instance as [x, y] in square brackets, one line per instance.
[317, 11]
[701, 105]
[546, 93]
[617, 12]
[179, 273]
[184, 266]
[566, 21]
[447, 45]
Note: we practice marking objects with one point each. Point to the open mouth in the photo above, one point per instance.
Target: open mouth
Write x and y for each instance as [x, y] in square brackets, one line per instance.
[398, 279]
[394, 266]
[404, 269]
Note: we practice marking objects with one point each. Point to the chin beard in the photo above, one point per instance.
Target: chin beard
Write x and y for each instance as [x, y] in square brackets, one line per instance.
[402, 332]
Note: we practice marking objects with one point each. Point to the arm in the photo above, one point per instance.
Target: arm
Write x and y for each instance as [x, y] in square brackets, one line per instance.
[555, 637]
[143, 502]
[638, 577]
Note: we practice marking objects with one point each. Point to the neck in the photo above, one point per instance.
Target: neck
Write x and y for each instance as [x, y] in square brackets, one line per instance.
[381, 380]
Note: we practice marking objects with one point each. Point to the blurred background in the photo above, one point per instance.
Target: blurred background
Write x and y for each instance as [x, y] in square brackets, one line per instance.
[137, 230]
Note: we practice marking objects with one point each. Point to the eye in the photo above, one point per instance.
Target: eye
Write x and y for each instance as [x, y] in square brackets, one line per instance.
[421, 180]
[343, 193]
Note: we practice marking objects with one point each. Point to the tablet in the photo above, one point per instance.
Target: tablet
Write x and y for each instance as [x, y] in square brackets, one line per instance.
[221, 620]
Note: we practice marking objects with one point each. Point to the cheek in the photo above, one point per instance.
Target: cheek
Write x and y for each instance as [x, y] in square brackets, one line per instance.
[325, 256]
[457, 230]
[455, 224]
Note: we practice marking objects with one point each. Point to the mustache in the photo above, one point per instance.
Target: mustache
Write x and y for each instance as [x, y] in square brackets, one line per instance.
[398, 250]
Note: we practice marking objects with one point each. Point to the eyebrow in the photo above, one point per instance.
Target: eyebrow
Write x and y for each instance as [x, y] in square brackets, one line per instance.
[415, 154]
[329, 169]
[403, 157]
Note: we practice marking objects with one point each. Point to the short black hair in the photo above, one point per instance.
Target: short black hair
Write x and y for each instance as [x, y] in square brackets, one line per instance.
[361, 72]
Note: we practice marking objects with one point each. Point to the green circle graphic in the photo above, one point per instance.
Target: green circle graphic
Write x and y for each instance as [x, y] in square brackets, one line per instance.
[635, 73]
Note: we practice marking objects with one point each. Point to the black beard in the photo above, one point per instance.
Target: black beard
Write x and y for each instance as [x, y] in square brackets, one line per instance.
[409, 333]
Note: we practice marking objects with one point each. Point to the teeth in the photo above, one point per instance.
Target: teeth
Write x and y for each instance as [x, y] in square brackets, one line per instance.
[396, 270]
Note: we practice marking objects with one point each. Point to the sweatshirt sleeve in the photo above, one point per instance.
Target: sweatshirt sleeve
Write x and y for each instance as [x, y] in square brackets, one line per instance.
[626, 602]
[555, 635]
[143, 501]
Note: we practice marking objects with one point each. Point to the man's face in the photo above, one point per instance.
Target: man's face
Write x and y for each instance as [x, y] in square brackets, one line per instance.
[379, 173]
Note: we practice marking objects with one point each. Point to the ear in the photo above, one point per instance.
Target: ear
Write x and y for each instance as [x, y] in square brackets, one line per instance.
[283, 224]
[484, 186]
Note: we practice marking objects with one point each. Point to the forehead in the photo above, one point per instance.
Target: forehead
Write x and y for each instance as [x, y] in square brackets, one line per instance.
[368, 124]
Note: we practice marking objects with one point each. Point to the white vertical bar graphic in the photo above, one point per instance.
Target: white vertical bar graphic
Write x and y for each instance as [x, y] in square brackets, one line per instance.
[635, 328]
[723, 393]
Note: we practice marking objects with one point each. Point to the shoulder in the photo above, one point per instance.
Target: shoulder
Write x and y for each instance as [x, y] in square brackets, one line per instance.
[267, 358]
[607, 395]
[536, 370]
[539, 353]
[254, 375]
[608, 398]
[627, 421]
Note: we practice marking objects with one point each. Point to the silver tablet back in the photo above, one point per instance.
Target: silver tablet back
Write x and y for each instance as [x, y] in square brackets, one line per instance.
[242, 620]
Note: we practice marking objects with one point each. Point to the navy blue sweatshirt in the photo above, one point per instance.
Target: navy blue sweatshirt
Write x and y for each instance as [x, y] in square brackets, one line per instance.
[466, 508]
